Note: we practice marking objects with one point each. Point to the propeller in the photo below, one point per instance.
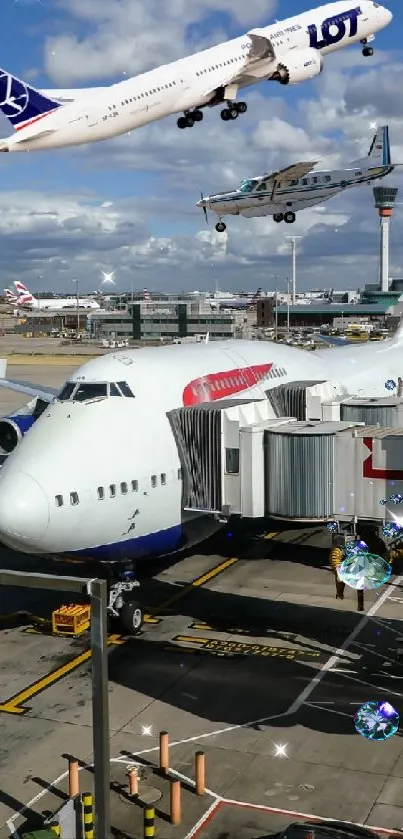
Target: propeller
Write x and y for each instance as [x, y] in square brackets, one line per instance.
[204, 208]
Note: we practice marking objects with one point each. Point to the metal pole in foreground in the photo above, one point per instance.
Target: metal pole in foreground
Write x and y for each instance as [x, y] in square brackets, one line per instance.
[100, 707]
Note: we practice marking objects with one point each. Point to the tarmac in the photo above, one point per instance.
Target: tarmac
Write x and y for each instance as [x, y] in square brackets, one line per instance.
[246, 655]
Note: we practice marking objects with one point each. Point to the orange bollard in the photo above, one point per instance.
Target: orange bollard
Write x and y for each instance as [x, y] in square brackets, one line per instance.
[133, 782]
[200, 772]
[73, 779]
[164, 751]
[175, 797]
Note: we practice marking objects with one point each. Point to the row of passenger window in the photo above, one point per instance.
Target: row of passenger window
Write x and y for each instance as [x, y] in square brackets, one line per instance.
[112, 491]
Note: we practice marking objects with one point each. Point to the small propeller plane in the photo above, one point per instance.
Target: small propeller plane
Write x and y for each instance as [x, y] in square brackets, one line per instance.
[282, 194]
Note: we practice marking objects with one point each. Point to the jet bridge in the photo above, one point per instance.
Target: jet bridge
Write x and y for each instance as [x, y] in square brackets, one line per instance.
[306, 453]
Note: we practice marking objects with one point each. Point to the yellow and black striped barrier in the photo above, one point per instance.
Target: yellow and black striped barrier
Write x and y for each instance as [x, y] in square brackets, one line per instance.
[149, 823]
[88, 815]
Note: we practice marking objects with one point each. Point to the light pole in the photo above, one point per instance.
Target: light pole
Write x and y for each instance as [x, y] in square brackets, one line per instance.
[293, 240]
[288, 306]
[76, 282]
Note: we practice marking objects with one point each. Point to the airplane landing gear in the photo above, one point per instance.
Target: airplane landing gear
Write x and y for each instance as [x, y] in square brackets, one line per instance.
[289, 217]
[220, 227]
[122, 607]
[189, 119]
[366, 51]
[233, 110]
[278, 217]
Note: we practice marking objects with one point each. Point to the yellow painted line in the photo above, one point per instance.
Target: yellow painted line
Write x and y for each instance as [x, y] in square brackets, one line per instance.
[199, 581]
[271, 535]
[15, 704]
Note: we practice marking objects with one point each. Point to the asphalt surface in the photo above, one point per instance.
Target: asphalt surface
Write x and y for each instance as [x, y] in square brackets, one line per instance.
[246, 655]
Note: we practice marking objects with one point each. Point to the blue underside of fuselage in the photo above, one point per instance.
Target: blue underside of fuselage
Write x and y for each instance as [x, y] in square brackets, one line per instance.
[140, 547]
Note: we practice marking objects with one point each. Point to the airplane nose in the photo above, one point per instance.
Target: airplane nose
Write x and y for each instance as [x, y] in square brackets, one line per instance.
[24, 508]
[387, 14]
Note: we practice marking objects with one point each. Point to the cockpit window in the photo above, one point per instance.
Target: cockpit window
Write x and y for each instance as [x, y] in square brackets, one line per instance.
[246, 186]
[113, 390]
[90, 390]
[67, 391]
[124, 387]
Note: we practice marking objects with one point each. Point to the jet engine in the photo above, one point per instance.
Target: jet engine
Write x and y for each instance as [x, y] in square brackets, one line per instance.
[298, 66]
[13, 428]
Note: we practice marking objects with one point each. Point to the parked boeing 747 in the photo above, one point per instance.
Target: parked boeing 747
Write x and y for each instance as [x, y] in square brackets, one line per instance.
[288, 52]
[282, 194]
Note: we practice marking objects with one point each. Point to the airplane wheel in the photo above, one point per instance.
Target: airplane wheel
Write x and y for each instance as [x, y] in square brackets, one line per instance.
[278, 217]
[189, 121]
[233, 112]
[225, 114]
[343, 184]
[367, 52]
[197, 115]
[131, 618]
[289, 217]
[242, 107]
[182, 122]
[220, 227]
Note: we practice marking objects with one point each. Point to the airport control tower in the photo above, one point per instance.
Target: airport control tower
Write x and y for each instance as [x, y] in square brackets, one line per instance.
[385, 197]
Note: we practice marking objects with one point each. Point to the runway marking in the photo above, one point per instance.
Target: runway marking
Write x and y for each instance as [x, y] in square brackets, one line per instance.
[201, 626]
[241, 648]
[197, 583]
[271, 535]
[15, 704]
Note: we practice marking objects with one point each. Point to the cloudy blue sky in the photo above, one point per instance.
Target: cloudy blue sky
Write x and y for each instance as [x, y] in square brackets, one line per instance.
[128, 205]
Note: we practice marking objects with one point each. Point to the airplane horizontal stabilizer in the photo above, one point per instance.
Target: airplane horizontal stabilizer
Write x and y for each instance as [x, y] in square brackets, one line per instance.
[17, 141]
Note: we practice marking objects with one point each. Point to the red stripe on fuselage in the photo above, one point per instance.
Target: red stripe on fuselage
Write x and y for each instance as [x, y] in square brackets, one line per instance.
[215, 386]
[34, 119]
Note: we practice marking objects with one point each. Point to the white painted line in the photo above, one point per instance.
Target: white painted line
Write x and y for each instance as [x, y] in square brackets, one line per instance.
[207, 815]
[315, 817]
[294, 707]
[340, 670]
[317, 707]
[334, 659]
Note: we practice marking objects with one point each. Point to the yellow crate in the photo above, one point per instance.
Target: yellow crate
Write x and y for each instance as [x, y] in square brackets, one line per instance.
[71, 620]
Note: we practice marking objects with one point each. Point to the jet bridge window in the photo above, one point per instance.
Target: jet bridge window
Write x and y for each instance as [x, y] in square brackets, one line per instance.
[232, 461]
[92, 390]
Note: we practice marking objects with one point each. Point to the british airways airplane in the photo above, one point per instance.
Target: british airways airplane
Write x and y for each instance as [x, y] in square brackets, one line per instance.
[26, 300]
[94, 471]
[288, 52]
[282, 194]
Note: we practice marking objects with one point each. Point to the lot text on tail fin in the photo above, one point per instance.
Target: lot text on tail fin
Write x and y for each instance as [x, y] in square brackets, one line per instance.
[21, 103]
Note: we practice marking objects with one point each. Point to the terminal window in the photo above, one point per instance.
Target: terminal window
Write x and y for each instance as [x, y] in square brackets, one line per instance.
[232, 461]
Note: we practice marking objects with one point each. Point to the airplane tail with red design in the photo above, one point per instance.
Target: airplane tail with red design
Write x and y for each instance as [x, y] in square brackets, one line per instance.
[25, 298]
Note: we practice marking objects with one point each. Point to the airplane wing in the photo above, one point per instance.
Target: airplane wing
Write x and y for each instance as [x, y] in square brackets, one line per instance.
[261, 49]
[290, 173]
[30, 389]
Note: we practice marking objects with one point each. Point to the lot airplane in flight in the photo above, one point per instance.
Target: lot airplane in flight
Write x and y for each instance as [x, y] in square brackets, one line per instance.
[288, 51]
[282, 194]
[25, 300]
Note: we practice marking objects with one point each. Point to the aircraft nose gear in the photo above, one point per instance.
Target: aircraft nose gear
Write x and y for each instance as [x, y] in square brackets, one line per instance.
[220, 227]
[189, 119]
[233, 110]
[289, 217]
[278, 217]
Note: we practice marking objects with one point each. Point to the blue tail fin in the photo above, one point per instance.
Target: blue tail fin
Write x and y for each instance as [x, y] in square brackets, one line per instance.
[22, 104]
